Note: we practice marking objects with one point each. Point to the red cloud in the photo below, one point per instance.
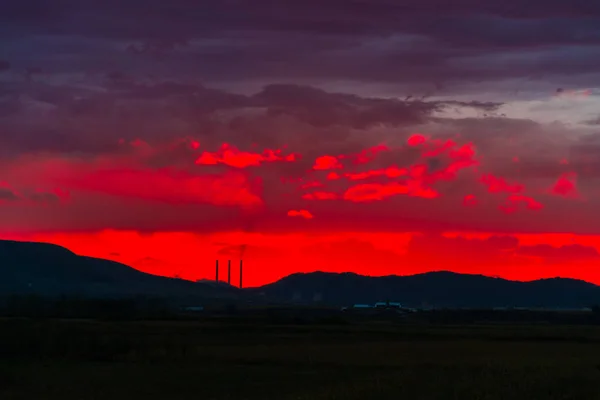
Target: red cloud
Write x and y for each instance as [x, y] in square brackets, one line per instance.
[514, 201]
[320, 196]
[369, 154]
[170, 186]
[445, 170]
[499, 185]
[416, 140]
[565, 186]
[470, 200]
[300, 213]
[233, 157]
[414, 180]
[326, 162]
[374, 191]
[390, 172]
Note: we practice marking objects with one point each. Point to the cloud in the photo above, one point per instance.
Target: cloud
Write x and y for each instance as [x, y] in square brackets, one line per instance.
[129, 119]
[73, 119]
[300, 213]
[418, 180]
[572, 252]
[594, 121]
[230, 155]
[304, 117]
[476, 45]
[27, 194]
[320, 108]
[173, 187]
[502, 255]
[7, 194]
[566, 186]
[326, 163]
[453, 248]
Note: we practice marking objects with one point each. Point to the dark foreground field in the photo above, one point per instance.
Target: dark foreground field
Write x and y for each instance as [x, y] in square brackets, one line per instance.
[81, 360]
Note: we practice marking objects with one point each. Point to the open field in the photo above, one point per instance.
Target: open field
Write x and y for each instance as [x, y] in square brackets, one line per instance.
[232, 359]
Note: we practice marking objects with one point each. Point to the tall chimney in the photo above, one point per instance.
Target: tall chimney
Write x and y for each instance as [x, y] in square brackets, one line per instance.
[241, 270]
[217, 271]
[229, 272]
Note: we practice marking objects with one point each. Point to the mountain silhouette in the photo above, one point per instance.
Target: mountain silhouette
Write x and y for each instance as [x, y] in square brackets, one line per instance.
[435, 289]
[50, 270]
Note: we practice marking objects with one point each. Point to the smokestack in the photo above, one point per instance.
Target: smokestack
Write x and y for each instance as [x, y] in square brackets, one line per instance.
[217, 271]
[241, 270]
[229, 272]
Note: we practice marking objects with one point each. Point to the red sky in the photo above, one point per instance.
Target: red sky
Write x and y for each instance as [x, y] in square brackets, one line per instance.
[380, 137]
[421, 205]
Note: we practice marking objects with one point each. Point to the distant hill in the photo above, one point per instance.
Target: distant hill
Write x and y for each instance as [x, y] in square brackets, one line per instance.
[437, 289]
[50, 270]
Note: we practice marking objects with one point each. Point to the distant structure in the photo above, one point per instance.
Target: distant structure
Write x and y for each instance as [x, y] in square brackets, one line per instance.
[379, 305]
[194, 308]
[388, 304]
[229, 272]
[241, 272]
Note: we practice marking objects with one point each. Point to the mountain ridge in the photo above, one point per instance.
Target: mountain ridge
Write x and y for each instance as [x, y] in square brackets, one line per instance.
[51, 270]
[435, 288]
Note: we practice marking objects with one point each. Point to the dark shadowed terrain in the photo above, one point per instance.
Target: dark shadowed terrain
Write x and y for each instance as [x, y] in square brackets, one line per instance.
[236, 359]
[435, 289]
[50, 270]
[107, 346]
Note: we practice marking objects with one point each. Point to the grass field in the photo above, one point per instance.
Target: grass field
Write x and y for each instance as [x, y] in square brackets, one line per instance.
[55, 359]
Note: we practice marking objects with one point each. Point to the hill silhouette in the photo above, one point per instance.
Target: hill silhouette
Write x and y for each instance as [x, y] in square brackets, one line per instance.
[436, 289]
[50, 270]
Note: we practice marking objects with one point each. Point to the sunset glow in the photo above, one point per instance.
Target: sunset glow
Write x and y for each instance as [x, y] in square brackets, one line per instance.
[367, 139]
[374, 218]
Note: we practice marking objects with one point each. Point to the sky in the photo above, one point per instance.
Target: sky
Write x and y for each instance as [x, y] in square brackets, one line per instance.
[377, 137]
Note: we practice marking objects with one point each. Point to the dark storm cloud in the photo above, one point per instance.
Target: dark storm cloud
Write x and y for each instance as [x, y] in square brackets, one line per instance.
[594, 121]
[320, 108]
[7, 195]
[42, 197]
[358, 16]
[28, 194]
[61, 118]
[372, 41]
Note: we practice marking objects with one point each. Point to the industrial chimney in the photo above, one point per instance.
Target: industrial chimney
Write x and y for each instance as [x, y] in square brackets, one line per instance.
[217, 271]
[241, 270]
[229, 272]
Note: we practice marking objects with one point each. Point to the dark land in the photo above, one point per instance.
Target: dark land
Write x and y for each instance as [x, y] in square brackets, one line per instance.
[263, 358]
[72, 327]
[50, 271]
